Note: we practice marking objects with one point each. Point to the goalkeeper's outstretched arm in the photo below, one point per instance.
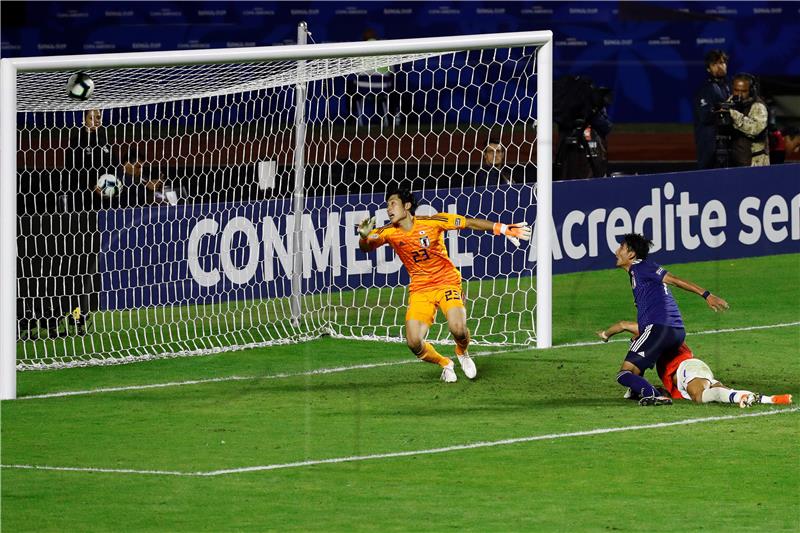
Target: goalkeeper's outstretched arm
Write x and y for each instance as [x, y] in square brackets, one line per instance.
[514, 232]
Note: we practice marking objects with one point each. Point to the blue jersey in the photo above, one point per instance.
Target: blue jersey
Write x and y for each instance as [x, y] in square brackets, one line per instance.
[653, 299]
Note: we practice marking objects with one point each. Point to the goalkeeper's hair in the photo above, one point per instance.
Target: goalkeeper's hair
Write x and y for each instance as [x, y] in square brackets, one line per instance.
[638, 243]
[405, 195]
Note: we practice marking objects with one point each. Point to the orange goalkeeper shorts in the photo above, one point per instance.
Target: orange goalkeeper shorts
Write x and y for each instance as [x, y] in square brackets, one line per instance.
[422, 304]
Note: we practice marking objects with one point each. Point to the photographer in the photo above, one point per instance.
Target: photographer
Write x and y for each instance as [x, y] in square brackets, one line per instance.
[749, 139]
[711, 136]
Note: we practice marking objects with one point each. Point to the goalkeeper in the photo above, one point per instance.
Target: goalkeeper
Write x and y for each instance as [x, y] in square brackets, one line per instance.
[435, 281]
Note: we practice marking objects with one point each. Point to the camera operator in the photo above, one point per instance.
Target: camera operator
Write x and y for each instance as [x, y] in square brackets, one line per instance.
[580, 111]
[748, 112]
[710, 136]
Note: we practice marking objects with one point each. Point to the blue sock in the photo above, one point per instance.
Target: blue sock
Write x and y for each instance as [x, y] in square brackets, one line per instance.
[637, 384]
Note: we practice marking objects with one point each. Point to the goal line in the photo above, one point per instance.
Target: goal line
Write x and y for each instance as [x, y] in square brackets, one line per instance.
[365, 366]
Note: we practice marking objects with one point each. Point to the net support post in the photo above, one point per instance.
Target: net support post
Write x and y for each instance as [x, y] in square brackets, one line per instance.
[298, 196]
[544, 202]
[8, 230]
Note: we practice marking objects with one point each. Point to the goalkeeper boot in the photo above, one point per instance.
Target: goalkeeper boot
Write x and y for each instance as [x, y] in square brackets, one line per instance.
[467, 366]
[655, 400]
[749, 399]
[448, 373]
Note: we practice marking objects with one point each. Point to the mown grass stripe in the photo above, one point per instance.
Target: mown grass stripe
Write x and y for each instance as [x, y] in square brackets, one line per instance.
[392, 455]
[334, 370]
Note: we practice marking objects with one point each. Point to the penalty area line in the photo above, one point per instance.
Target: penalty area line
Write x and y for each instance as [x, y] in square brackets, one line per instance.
[392, 455]
[334, 370]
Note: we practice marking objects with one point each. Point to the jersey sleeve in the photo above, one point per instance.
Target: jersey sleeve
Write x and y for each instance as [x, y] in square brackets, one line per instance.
[648, 270]
[375, 239]
[448, 221]
[659, 272]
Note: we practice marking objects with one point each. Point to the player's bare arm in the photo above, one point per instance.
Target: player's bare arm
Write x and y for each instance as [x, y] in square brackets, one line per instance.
[714, 302]
[619, 327]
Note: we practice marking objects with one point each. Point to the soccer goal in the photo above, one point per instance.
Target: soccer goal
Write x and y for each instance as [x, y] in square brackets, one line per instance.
[206, 200]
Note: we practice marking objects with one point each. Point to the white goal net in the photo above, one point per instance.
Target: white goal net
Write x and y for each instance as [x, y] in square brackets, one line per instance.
[197, 208]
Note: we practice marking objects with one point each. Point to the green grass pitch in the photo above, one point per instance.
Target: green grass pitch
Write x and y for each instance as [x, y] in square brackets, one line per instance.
[728, 472]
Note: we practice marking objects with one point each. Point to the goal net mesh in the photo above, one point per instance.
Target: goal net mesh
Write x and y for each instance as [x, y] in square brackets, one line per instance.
[194, 251]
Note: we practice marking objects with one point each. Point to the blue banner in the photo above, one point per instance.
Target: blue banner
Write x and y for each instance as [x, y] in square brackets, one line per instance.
[649, 53]
[208, 253]
[690, 216]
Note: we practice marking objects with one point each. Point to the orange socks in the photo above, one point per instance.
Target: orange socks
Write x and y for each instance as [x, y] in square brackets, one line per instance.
[461, 346]
[430, 355]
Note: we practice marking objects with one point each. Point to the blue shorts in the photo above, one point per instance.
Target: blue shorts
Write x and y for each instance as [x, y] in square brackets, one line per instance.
[653, 341]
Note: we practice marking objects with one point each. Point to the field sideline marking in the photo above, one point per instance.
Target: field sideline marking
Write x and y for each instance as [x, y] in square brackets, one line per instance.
[334, 370]
[391, 455]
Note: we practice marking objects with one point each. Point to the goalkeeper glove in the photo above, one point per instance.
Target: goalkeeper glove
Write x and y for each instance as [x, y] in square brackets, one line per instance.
[367, 225]
[513, 232]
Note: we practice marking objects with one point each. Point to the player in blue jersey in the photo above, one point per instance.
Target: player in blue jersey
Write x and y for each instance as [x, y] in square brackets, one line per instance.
[660, 322]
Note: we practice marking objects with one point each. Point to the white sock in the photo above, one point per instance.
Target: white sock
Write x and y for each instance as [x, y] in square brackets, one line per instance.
[717, 394]
[766, 399]
[723, 395]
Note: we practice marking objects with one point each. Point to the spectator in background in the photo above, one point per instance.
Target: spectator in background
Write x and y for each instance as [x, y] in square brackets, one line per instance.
[91, 154]
[749, 142]
[493, 171]
[376, 86]
[69, 239]
[139, 189]
[714, 91]
[783, 143]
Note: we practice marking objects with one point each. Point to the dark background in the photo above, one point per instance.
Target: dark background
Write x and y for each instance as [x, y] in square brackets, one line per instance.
[650, 54]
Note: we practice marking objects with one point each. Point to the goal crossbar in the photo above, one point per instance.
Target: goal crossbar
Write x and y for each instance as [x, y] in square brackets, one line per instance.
[277, 53]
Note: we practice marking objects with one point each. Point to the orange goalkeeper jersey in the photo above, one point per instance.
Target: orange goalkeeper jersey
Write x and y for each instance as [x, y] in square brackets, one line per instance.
[422, 249]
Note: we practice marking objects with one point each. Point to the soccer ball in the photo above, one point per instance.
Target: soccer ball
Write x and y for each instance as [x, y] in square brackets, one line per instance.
[80, 86]
[109, 186]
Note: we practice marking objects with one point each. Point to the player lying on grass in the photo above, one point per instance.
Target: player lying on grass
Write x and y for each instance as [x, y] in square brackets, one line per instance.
[658, 317]
[435, 282]
[685, 376]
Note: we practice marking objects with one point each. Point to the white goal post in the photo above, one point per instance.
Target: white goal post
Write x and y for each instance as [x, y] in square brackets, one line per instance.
[247, 81]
